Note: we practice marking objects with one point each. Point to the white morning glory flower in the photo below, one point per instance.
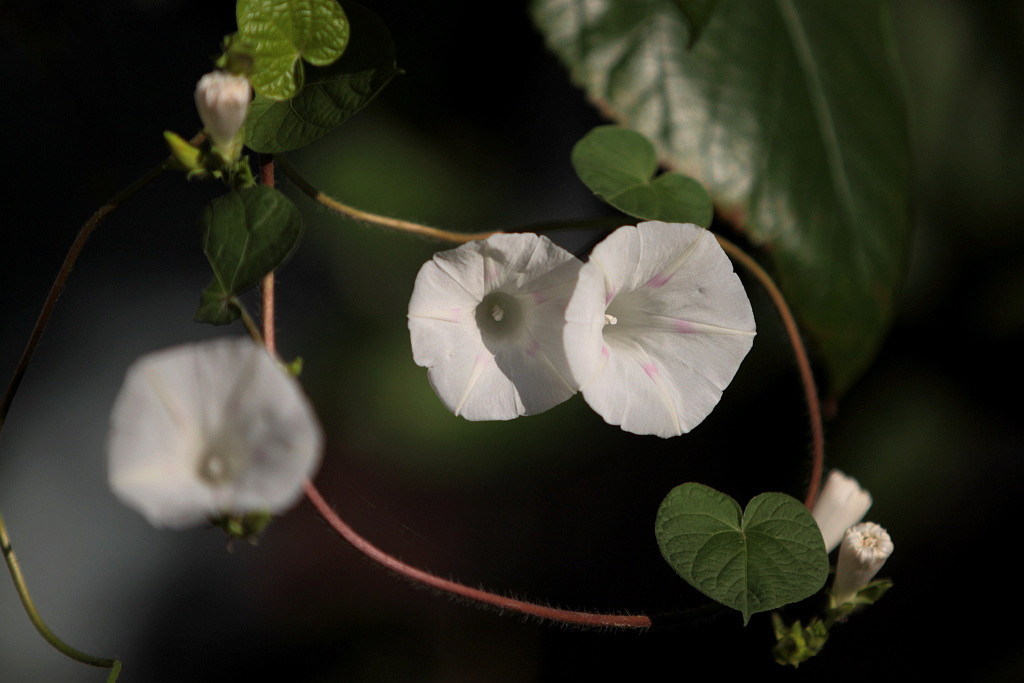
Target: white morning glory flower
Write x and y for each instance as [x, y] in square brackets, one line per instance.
[657, 327]
[841, 504]
[863, 551]
[222, 99]
[486, 319]
[207, 430]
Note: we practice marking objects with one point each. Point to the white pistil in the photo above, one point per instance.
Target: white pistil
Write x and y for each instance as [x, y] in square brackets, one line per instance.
[610, 319]
[497, 313]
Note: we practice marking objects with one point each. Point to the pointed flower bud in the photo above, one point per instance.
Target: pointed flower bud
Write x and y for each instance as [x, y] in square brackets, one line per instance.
[210, 430]
[864, 550]
[841, 504]
[222, 99]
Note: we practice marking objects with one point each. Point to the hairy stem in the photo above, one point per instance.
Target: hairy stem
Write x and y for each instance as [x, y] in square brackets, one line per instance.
[394, 223]
[457, 589]
[806, 376]
[267, 288]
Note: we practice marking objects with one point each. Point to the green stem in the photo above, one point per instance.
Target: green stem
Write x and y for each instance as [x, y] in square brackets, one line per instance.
[250, 324]
[19, 584]
[19, 372]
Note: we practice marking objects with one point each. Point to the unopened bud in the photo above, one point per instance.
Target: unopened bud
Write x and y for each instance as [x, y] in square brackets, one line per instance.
[864, 550]
[841, 504]
[222, 99]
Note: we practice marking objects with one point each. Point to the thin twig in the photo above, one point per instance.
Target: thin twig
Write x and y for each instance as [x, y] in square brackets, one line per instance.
[453, 588]
[385, 221]
[62, 276]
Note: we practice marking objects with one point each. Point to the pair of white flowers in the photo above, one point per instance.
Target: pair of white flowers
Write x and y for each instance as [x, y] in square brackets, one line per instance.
[863, 546]
[651, 329]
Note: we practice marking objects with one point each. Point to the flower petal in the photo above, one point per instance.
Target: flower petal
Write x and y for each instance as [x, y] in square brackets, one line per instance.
[657, 327]
[221, 400]
[486, 320]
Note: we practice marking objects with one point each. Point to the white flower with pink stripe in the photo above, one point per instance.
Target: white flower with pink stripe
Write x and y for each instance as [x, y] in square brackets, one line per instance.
[486, 320]
[657, 327]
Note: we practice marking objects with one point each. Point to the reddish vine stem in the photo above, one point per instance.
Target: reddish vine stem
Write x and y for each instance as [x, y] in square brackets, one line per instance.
[806, 376]
[65, 270]
[267, 289]
[501, 602]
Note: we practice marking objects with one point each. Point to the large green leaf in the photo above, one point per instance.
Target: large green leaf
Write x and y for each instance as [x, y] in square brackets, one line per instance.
[790, 113]
[246, 234]
[768, 556]
[618, 165]
[282, 33]
[331, 94]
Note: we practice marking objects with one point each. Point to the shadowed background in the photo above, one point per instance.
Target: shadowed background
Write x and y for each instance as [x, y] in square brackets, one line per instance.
[558, 507]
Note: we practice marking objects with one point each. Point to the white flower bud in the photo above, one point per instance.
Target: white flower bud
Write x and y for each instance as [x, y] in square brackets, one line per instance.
[841, 504]
[864, 550]
[222, 99]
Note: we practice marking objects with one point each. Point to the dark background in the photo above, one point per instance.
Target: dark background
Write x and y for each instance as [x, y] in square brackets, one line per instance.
[559, 507]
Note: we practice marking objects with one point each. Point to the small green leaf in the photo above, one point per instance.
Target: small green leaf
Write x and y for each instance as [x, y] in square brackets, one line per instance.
[770, 555]
[330, 95]
[282, 33]
[246, 234]
[618, 165]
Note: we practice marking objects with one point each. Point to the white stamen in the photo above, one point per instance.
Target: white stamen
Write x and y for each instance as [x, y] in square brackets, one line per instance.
[610, 319]
[497, 313]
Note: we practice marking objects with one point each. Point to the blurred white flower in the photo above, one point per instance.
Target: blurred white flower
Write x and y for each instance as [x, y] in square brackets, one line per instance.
[863, 551]
[211, 429]
[486, 319]
[222, 99]
[841, 504]
[657, 327]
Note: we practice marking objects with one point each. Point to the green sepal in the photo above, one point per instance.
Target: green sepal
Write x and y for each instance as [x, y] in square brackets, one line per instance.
[244, 527]
[186, 156]
[868, 595]
[295, 367]
[797, 643]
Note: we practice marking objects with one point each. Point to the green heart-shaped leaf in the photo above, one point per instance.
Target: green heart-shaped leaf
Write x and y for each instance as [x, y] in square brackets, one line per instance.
[246, 234]
[770, 555]
[330, 95]
[618, 165]
[790, 113]
[282, 33]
